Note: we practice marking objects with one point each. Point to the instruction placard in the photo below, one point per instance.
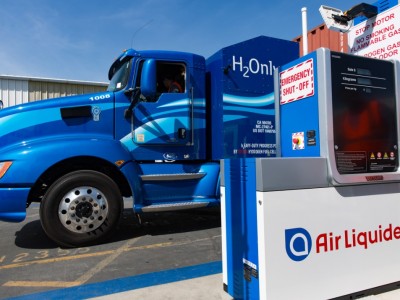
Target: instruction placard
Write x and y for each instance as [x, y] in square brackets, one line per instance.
[297, 82]
[377, 37]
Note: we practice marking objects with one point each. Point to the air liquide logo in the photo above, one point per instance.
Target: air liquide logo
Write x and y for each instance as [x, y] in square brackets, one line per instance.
[298, 243]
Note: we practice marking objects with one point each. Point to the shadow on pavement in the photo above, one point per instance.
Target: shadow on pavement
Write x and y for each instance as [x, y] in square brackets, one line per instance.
[32, 236]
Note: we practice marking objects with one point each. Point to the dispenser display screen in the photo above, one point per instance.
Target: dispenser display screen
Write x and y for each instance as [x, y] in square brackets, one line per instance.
[364, 114]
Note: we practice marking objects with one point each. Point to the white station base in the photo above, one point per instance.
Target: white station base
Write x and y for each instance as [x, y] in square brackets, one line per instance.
[314, 240]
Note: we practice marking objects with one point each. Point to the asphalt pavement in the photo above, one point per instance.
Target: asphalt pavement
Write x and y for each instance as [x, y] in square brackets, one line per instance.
[173, 255]
[31, 263]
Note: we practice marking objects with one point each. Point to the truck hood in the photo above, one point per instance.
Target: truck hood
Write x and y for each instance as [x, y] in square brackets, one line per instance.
[55, 118]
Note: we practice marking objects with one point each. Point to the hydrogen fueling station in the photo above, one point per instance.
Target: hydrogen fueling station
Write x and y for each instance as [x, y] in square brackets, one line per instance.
[299, 149]
[321, 220]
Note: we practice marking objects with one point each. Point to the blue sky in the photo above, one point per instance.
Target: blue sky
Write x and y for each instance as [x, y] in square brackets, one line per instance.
[80, 39]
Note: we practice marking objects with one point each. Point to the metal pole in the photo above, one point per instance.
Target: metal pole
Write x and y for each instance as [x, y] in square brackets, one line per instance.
[304, 24]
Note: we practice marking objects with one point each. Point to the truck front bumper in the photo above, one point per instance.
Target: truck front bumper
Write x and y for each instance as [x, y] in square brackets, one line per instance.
[13, 204]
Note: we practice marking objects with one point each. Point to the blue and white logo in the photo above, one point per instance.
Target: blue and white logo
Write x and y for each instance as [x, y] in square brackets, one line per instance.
[96, 113]
[298, 243]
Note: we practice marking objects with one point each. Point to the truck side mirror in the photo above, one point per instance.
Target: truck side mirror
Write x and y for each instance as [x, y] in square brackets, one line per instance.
[148, 81]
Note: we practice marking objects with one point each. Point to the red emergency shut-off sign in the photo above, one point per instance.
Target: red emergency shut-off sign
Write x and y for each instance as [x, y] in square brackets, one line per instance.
[297, 82]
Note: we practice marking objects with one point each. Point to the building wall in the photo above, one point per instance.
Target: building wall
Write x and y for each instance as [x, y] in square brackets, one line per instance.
[13, 91]
[40, 90]
[18, 90]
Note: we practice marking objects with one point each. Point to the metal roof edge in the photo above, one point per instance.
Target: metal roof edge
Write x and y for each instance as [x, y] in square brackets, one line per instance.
[30, 78]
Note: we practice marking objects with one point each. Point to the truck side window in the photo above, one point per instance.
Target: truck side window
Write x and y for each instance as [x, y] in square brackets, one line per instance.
[171, 77]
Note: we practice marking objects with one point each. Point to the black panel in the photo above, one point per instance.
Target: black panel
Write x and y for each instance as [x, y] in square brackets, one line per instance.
[364, 114]
[76, 112]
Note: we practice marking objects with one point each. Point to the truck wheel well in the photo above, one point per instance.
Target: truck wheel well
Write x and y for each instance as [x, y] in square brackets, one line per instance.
[74, 164]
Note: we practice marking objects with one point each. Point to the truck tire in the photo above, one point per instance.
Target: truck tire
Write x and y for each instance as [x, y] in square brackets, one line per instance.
[81, 208]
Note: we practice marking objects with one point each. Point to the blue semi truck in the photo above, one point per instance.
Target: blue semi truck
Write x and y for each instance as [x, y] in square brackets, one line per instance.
[79, 156]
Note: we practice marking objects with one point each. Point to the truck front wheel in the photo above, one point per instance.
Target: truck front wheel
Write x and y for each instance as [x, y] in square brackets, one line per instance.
[81, 208]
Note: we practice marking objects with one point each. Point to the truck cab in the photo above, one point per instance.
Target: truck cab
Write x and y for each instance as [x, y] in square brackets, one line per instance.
[85, 153]
[164, 130]
[157, 135]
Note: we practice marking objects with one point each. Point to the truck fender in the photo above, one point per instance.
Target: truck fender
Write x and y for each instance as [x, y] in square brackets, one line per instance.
[37, 157]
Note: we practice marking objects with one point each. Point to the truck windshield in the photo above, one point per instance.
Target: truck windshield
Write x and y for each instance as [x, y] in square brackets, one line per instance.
[120, 76]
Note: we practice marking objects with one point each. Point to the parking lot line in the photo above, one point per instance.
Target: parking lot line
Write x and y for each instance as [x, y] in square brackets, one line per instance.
[105, 262]
[127, 283]
[55, 284]
[100, 253]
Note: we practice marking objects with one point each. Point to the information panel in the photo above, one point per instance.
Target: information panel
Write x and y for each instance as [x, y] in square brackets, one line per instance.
[364, 114]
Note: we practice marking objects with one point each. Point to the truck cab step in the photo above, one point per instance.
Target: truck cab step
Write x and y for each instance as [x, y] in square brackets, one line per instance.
[172, 177]
[174, 206]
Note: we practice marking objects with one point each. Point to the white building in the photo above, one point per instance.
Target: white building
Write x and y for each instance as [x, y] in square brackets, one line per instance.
[16, 90]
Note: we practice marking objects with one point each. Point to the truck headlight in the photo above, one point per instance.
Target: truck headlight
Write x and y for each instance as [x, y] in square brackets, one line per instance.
[4, 165]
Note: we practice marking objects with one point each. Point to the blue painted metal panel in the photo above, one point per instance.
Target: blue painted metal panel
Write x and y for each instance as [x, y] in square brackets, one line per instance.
[242, 99]
[13, 204]
[37, 136]
[241, 227]
[156, 124]
[203, 189]
[300, 116]
[33, 121]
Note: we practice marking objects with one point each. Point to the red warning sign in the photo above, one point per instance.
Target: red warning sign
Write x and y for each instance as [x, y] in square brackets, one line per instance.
[297, 82]
[377, 37]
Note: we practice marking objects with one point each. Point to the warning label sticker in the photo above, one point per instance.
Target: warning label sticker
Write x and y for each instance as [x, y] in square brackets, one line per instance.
[298, 141]
[297, 82]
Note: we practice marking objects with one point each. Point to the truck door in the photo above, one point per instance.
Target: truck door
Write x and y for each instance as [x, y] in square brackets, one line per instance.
[165, 118]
